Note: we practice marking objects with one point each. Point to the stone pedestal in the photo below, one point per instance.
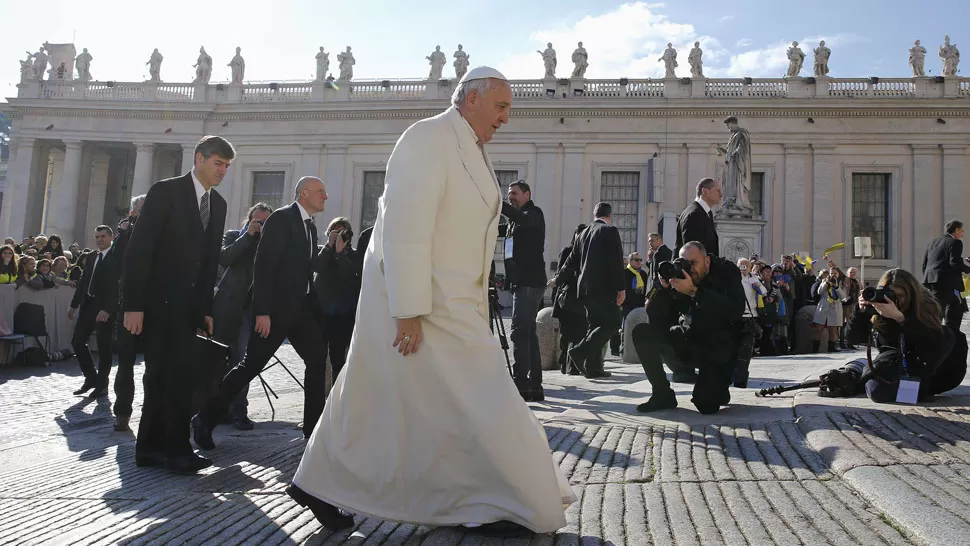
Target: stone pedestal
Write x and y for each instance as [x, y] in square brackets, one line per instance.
[636, 317]
[951, 87]
[235, 92]
[547, 330]
[674, 89]
[799, 88]
[199, 95]
[740, 237]
[550, 84]
[698, 88]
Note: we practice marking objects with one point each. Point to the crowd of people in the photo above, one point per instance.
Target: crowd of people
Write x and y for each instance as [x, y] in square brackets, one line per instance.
[422, 415]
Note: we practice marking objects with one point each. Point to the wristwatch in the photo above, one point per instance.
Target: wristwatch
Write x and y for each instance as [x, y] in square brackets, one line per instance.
[692, 293]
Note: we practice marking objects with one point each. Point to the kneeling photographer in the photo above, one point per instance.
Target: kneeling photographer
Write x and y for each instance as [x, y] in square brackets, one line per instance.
[901, 319]
[695, 322]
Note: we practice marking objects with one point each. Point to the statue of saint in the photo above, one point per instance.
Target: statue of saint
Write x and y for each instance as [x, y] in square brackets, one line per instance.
[155, 66]
[238, 66]
[695, 62]
[323, 64]
[203, 67]
[796, 57]
[917, 56]
[83, 64]
[737, 168]
[581, 61]
[347, 62]
[27, 68]
[40, 64]
[461, 62]
[822, 60]
[951, 57]
[549, 60]
[437, 60]
[670, 61]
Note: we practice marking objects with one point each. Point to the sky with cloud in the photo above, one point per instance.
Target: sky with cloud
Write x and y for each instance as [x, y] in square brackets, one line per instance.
[390, 38]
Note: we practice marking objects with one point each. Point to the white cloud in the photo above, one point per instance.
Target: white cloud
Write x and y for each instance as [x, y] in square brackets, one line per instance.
[744, 42]
[626, 42]
[726, 19]
[771, 61]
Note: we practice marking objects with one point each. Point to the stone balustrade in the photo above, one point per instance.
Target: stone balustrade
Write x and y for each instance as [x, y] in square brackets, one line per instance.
[571, 89]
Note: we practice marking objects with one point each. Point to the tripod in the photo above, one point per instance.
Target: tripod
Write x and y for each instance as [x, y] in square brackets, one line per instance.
[495, 321]
[269, 390]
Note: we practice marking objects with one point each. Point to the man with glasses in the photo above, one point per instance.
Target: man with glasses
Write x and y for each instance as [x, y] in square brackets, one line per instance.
[637, 281]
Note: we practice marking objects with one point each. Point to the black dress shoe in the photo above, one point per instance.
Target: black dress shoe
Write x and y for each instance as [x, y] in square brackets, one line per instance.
[151, 458]
[501, 529]
[326, 513]
[243, 423]
[201, 433]
[601, 374]
[658, 402]
[84, 388]
[100, 392]
[187, 464]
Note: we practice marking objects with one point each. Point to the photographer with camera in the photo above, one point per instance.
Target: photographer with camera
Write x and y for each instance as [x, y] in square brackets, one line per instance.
[901, 319]
[695, 322]
[233, 321]
[336, 285]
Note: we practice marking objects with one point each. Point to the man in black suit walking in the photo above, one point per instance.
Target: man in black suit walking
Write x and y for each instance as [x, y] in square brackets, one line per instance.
[943, 269]
[97, 297]
[696, 223]
[232, 306]
[170, 271]
[659, 253]
[598, 257]
[286, 307]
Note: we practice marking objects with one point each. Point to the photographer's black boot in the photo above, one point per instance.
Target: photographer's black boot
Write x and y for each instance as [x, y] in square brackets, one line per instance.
[659, 401]
[832, 347]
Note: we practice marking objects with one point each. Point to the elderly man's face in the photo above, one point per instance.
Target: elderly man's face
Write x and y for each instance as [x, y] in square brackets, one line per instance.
[313, 196]
[489, 110]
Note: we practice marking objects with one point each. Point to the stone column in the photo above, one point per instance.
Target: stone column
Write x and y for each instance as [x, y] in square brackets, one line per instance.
[19, 176]
[827, 199]
[188, 156]
[544, 193]
[927, 200]
[666, 178]
[954, 182]
[796, 237]
[572, 207]
[698, 163]
[144, 158]
[334, 177]
[65, 213]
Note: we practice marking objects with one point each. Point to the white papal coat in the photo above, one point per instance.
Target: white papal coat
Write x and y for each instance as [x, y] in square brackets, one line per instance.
[441, 437]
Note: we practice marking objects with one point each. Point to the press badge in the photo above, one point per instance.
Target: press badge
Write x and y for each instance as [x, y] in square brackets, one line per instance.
[908, 391]
[508, 248]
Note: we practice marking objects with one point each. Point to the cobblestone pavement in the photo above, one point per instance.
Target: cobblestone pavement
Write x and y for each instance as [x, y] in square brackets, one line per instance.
[752, 475]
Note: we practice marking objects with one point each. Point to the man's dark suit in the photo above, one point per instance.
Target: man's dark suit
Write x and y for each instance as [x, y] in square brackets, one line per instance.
[943, 269]
[598, 257]
[170, 270]
[662, 254]
[282, 272]
[695, 224]
[127, 345]
[104, 297]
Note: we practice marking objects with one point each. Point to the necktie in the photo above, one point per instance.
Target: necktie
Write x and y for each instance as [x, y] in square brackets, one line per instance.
[710, 214]
[94, 270]
[309, 238]
[204, 210]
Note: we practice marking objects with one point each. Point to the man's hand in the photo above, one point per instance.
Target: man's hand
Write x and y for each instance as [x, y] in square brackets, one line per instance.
[332, 238]
[888, 310]
[341, 244]
[71, 313]
[102, 317]
[551, 282]
[620, 297]
[262, 326]
[409, 336]
[254, 229]
[134, 322]
[207, 325]
[684, 285]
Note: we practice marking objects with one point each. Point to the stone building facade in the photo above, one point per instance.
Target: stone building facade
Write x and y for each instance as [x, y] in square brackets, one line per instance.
[832, 158]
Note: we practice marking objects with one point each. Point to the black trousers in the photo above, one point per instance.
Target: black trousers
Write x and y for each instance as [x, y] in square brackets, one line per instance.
[128, 346]
[171, 363]
[337, 332]
[603, 320]
[305, 335]
[656, 344]
[86, 325]
[572, 329]
[952, 305]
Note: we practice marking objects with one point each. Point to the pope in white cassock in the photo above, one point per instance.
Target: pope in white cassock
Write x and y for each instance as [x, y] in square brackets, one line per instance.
[424, 424]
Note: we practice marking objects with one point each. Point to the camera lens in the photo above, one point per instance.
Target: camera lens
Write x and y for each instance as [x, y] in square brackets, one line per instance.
[868, 293]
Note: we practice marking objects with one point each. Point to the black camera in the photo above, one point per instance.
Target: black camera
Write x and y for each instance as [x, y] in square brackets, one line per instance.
[878, 294]
[347, 235]
[679, 268]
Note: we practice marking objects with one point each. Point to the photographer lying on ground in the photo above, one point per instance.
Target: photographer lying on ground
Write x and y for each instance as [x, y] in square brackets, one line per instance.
[910, 338]
[697, 324]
